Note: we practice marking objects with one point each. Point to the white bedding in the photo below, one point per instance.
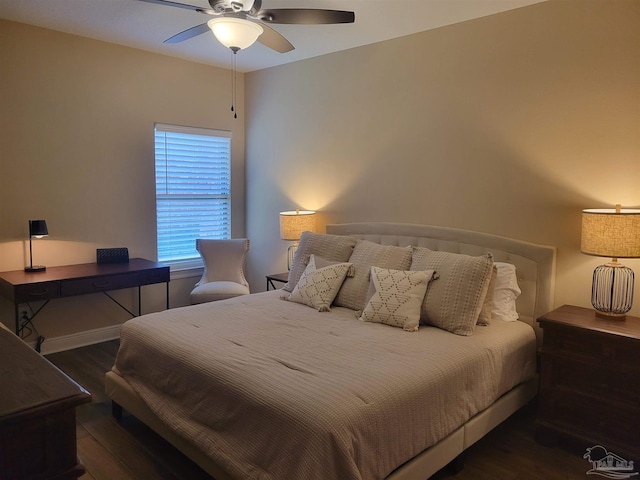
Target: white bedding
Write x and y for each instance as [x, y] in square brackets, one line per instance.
[276, 390]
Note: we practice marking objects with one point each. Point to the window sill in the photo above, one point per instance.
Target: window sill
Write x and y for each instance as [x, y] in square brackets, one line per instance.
[186, 269]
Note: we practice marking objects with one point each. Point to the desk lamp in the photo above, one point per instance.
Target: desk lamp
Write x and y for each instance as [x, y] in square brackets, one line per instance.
[37, 229]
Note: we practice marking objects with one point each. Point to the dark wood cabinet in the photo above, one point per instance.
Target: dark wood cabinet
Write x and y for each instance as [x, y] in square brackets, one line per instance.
[590, 380]
[37, 415]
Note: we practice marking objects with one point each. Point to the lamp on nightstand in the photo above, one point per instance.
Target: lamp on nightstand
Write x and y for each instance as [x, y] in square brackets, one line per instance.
[37, 229]
[292, 224]
[611, 233]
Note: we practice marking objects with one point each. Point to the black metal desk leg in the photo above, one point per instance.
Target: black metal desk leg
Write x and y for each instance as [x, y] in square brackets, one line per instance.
[17, 318]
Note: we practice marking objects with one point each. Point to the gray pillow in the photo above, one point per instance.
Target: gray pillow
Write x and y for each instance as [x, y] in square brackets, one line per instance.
[453, 301]
[336, 248]
[366, 254]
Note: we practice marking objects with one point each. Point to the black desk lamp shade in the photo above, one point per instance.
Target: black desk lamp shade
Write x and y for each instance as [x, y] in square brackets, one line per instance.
[38, 229]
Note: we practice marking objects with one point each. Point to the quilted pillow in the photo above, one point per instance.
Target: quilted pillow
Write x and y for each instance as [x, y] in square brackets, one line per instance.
[366, 254]
[397, 298]
[486, 312]
[336, 248]
[318, 287]
[453, 302]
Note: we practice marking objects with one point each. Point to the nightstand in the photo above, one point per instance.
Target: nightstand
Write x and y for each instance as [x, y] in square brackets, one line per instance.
[276, 277]
[590, 380]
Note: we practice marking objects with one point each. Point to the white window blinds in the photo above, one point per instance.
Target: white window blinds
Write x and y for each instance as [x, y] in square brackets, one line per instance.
[193, 189]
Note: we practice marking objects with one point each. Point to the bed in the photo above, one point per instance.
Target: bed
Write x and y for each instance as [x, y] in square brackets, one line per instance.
[297, 392]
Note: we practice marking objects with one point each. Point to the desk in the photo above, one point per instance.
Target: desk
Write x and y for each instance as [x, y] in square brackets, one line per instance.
[37, 415]
[22, 287]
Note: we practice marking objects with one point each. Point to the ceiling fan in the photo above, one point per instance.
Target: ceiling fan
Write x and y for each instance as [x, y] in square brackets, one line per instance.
[238, 24]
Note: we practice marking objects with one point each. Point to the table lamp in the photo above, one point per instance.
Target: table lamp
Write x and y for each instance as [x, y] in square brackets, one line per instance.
[611, 233]
[292, 224]
[37, 229]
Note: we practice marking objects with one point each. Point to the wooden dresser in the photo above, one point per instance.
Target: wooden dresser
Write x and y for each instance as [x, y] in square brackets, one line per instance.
[590, 380]
[37, 415]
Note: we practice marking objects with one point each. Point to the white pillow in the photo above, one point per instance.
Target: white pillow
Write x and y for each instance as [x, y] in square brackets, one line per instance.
[505, 293]
[318, 287]
[397, 298]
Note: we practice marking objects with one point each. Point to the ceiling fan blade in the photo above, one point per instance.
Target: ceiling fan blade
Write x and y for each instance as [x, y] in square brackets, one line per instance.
[189, 33]
[305, 16]
[274, 40]
[193, 8]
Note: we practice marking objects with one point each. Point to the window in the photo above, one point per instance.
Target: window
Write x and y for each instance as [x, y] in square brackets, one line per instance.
[193, 189]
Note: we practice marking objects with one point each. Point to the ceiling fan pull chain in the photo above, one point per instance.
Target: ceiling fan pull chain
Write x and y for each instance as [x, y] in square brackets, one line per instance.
[233, 93]
[233, 81]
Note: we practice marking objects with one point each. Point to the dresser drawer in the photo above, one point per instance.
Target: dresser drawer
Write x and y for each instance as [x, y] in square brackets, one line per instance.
[596, 420]
[591, 346]
[38, 291]
[98, 284]
[620, 386]
[157, 275]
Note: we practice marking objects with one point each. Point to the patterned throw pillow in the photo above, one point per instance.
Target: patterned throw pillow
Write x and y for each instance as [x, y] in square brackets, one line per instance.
[398, 297]
[318, 287]
[336, 248]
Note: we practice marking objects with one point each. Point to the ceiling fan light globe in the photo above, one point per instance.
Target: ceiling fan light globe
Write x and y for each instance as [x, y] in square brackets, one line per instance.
[235, 32]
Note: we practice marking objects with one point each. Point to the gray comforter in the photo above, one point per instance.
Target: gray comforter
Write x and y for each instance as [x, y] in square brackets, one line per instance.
[275, 390]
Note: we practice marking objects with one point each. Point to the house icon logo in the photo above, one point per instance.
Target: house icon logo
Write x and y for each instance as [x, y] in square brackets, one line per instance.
[608, 464]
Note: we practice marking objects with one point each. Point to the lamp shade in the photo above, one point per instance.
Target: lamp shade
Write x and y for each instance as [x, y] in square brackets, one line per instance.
[293, 223]
[38, 228]
[235, 33]
[613, 233]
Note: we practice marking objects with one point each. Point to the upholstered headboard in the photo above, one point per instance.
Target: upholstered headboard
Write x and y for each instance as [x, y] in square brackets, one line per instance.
[535, 264]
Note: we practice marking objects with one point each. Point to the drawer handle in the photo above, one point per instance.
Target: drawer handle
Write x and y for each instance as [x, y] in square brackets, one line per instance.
[101, 284]
[38, 292]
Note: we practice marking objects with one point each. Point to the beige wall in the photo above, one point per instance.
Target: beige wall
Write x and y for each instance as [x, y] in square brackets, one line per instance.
[76, 136]
[509, 124]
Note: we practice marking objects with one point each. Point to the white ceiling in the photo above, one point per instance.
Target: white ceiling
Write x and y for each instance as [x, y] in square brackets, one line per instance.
[144, 26]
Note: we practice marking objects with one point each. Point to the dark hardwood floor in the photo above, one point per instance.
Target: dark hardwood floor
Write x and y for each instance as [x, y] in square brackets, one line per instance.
[128, 450]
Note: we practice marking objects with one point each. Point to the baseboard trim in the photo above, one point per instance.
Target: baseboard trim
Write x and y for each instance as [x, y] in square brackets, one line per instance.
[80, 339]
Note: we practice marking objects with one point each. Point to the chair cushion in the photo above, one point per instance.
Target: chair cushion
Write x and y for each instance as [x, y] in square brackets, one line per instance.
[212, 291]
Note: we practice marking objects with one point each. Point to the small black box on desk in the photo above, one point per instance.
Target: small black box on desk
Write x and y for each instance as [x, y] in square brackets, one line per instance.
[112, 255]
